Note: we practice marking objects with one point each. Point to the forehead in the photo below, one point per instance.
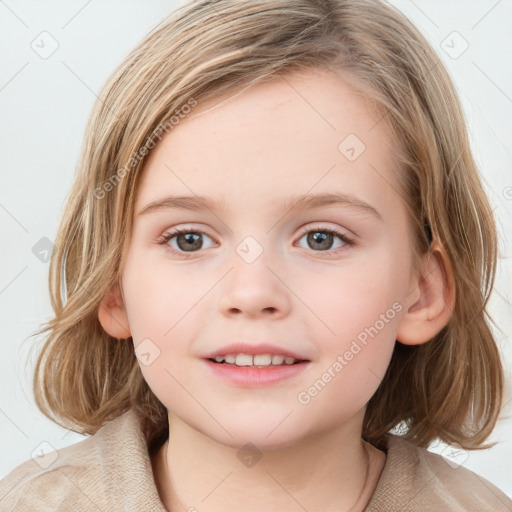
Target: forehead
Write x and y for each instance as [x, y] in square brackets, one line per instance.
[308, 131]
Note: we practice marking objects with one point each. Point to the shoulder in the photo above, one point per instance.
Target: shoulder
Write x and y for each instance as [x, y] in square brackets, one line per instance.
[101, 472]
[67, 477]
[414, 478]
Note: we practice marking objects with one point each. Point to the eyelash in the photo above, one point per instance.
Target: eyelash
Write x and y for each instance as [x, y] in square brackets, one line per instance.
[348, 241]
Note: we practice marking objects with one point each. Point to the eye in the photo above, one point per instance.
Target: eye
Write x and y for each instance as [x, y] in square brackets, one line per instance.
[187, 241]
[321, 239]
[184, 240]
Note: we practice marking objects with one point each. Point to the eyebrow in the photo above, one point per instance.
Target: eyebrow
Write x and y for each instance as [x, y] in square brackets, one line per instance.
[294, 203]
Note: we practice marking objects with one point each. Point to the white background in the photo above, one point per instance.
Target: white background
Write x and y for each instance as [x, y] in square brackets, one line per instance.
[44, 107]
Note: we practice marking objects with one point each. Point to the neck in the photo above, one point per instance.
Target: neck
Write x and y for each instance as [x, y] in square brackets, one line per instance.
[334, 470]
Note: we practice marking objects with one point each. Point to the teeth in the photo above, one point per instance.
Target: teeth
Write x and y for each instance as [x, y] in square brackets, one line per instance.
[277, 359]
[257, 360]
[243, 360]
[262, 360]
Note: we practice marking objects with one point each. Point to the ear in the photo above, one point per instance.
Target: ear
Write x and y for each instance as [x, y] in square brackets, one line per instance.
[432, 300]
[112, 314]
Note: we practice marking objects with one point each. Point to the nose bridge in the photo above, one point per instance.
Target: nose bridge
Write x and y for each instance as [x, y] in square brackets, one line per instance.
[253, 240]
[252, 286]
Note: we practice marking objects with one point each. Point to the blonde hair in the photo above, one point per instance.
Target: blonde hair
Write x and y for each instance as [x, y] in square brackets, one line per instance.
[448, 388]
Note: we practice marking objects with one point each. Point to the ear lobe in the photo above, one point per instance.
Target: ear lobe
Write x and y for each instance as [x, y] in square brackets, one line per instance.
[431, 307]
[112, 314]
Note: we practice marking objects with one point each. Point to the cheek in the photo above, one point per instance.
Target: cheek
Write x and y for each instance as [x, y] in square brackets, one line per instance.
[157, 295]
[162, 307]
[359, 307]
[158, 304]
[354, 297]
[360, 313]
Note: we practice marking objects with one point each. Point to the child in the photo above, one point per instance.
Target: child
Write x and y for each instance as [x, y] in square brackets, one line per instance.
[275, 259]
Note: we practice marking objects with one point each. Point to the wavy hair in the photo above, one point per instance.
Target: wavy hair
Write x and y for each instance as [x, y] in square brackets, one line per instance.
[449, 388]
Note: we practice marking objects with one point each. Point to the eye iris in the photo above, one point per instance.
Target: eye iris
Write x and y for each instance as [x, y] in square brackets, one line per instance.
[317, 237]
[192, 241]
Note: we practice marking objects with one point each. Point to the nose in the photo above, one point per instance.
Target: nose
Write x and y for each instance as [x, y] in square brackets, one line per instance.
[254, 289]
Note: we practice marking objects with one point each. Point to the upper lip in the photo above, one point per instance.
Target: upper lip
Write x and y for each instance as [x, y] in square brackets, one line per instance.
[249, 349]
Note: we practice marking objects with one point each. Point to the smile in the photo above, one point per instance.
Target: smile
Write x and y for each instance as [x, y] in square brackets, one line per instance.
[248, 371]
[257, 361]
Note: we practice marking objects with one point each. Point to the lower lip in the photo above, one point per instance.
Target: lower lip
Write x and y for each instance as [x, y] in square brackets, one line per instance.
[256, 377]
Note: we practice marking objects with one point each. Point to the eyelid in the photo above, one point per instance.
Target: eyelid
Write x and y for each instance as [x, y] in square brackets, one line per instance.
[302, 230]
[188, 228]
[171, 232]
[348, 240]
[321, 226]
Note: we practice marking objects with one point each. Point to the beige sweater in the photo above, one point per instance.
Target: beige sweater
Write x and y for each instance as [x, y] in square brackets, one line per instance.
[112, 471]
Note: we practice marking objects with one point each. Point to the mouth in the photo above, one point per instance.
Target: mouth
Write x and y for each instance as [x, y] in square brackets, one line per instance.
[261, 361]
[255, 371]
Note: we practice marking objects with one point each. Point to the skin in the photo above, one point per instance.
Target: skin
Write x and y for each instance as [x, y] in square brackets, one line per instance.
[253, 151]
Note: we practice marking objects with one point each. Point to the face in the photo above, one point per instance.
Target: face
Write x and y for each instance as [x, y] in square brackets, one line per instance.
[327, 281]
